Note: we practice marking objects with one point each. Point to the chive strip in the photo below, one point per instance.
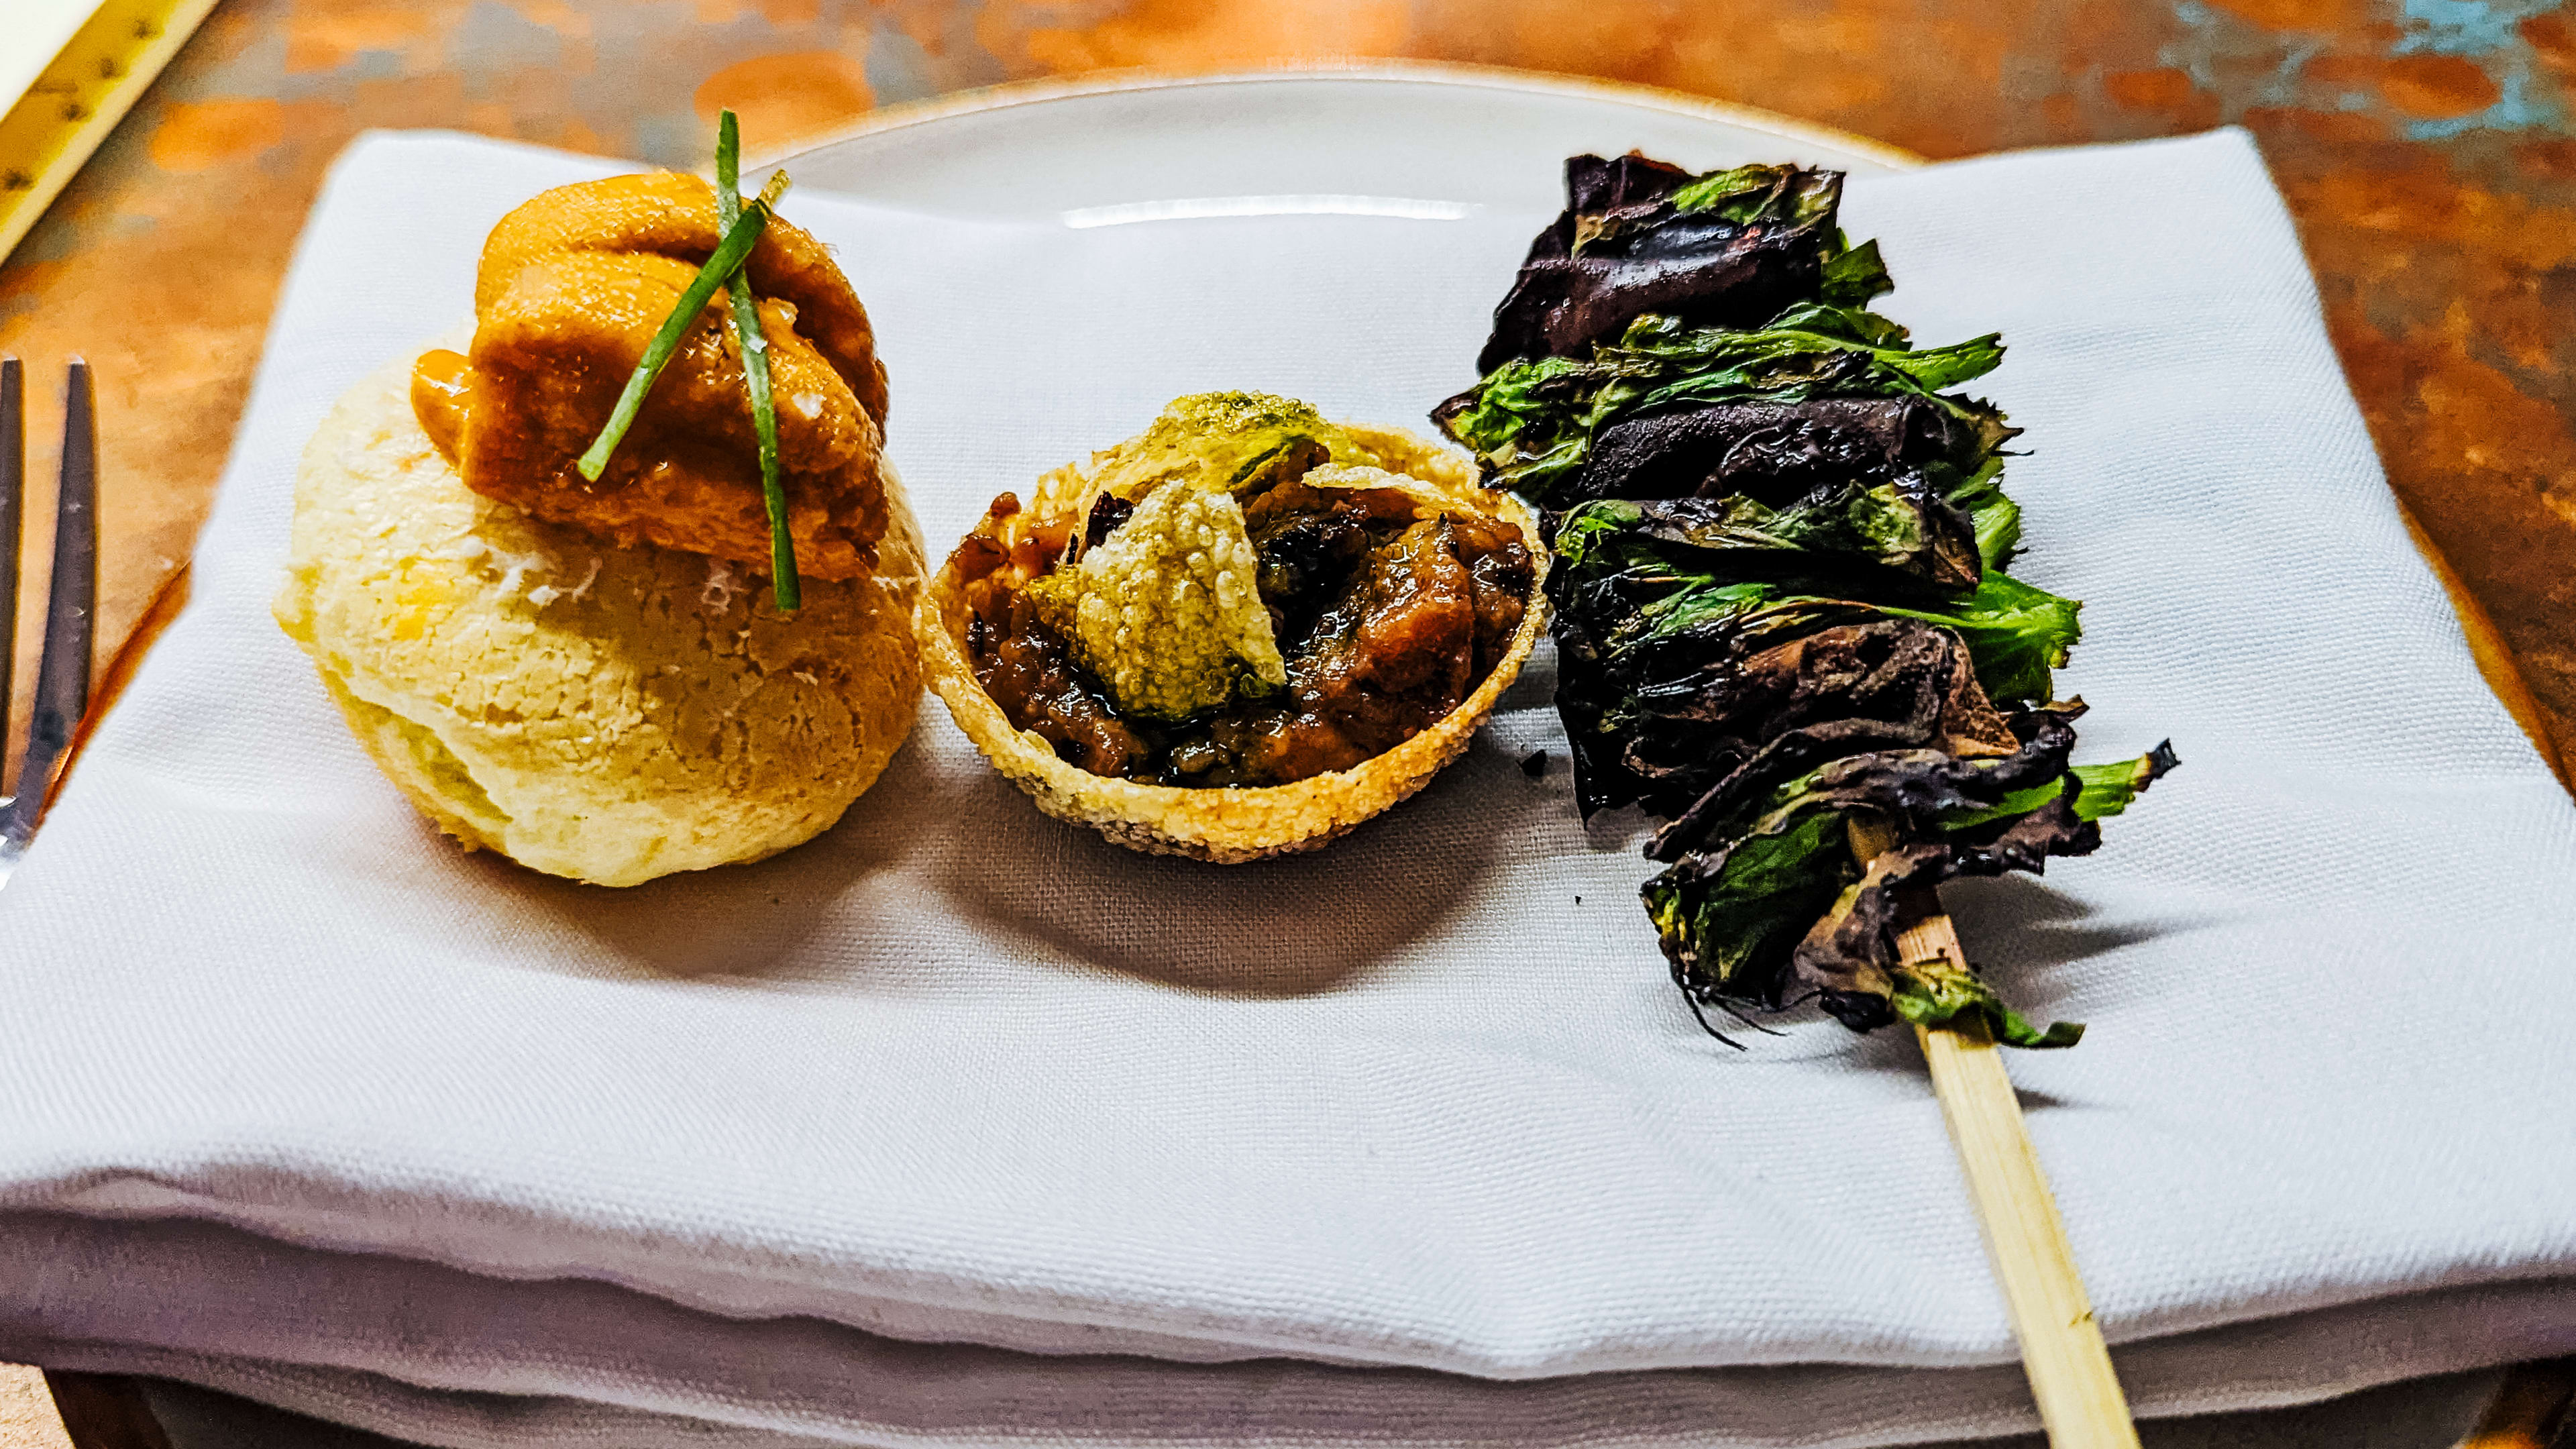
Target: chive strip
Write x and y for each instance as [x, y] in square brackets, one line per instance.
[736, 245]
[785, 592]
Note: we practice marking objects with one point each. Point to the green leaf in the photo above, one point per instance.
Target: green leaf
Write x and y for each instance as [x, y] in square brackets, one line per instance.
[1728, 925]
[1856, 325]
[1946, 367]
[2016, 633]
[1855, 275]
[785, 589]
[1747, 192]
[1532, 422]
[1996, 517]
[2104, 790]
[1938, 816]
[1895, 525]
[1937, 993]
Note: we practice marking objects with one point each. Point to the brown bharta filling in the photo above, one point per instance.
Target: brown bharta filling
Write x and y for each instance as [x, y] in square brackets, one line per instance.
[1387, 621]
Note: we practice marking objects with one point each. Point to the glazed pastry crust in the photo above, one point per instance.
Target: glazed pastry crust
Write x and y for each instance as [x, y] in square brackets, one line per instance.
[1230, 826]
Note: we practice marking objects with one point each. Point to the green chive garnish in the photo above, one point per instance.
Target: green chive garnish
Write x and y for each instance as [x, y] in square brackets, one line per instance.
[737, 244]
[755, 368]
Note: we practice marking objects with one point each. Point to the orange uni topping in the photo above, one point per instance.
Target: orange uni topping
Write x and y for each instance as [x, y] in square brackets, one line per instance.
[572, 287]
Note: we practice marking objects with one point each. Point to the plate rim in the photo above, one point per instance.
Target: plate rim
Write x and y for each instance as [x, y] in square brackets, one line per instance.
[1009, 95]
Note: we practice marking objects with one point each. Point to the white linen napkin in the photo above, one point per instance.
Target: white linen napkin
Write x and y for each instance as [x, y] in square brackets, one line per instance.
[312, 1106]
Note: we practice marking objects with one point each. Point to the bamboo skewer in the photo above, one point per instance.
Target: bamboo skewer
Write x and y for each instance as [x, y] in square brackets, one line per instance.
[2079, 1398]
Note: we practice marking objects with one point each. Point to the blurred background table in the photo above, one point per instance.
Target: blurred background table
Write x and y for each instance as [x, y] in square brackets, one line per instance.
[2426, 147]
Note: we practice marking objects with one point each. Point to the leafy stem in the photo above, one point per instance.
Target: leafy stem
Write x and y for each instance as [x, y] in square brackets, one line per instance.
[755, 364]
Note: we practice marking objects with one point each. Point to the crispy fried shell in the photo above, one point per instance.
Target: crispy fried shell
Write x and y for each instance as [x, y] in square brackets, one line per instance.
[1225, 825]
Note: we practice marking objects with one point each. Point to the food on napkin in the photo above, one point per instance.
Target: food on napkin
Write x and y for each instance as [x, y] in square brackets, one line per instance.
[1782, 615]
[614, 678]
[1640, 236]
[1244, 631]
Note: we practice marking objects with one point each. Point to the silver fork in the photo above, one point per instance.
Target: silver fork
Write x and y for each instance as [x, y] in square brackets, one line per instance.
[62, 673]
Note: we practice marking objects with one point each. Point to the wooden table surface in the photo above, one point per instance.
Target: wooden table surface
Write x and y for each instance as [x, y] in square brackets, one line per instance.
[2427, 149]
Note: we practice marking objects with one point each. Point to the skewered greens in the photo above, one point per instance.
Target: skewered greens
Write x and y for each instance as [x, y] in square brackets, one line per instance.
[1782, 616]
[1726, 249]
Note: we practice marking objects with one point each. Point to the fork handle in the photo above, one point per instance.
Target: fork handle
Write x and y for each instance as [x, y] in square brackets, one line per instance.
[13, 493]
[62, 675]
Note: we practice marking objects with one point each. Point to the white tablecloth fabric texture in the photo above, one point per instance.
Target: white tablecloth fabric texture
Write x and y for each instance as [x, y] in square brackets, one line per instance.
[1388, 1144]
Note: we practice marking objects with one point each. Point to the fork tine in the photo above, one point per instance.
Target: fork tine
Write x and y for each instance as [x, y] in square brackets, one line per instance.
[13, 491]
[62, 674]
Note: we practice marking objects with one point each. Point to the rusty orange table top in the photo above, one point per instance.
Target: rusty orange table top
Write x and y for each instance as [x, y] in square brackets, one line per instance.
[2426, 147]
